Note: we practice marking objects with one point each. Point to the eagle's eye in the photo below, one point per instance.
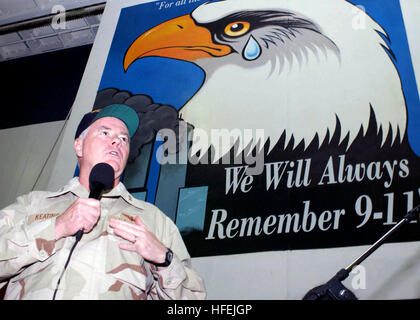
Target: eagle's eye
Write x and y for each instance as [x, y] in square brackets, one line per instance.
[237, 28]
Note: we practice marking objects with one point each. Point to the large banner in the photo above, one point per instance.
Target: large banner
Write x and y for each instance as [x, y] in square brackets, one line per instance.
[270, 124]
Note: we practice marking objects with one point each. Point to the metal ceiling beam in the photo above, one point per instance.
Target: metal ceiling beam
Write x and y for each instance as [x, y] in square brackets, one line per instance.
[45, 20]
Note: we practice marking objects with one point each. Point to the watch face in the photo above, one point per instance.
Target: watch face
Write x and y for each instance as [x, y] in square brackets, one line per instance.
[169, 256]
[168, 259]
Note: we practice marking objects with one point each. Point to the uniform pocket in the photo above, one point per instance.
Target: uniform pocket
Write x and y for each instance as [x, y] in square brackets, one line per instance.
[36, 277]
[132, 275]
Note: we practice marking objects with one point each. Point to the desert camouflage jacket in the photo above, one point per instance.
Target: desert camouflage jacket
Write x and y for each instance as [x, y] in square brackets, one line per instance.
[33, 261]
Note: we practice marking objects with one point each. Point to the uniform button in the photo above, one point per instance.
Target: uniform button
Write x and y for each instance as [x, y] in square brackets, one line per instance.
[43, 253]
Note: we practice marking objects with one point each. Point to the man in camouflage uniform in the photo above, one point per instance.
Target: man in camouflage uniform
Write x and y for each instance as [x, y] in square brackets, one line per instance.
[129, 248]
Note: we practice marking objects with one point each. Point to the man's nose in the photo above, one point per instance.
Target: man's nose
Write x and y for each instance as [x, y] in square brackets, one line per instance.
[116, 141]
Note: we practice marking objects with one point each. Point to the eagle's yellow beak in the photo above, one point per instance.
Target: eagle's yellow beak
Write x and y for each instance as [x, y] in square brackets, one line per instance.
[179, 38]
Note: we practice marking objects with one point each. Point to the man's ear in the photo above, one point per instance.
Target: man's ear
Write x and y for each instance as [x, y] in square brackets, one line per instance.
[78, 147]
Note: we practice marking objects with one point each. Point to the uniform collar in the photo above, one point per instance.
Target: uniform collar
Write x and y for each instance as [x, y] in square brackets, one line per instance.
[80, 191]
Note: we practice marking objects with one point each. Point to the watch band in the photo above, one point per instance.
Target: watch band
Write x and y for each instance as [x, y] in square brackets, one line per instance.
[168, 259]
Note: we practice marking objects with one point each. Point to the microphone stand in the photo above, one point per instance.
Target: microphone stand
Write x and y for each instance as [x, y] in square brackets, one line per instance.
[334, 289]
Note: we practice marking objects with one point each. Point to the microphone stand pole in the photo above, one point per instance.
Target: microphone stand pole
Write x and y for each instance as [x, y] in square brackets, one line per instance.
[334, 289]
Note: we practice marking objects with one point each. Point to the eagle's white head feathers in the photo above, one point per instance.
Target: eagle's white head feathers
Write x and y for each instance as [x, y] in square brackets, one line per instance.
[294, 67]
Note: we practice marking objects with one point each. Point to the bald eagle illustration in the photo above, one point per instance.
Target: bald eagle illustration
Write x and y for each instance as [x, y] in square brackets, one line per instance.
[318, 77]
[300, 70]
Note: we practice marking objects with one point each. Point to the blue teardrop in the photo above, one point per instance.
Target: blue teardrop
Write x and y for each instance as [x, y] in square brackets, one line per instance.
[252, 49]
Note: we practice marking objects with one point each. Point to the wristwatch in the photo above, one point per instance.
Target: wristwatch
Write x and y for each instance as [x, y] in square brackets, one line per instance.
[168, 259]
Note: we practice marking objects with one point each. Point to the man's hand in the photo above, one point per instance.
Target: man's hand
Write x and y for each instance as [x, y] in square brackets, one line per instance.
[143, 241]
[83, 214]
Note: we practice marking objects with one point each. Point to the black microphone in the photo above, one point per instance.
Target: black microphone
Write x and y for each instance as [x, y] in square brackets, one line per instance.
[101, 178]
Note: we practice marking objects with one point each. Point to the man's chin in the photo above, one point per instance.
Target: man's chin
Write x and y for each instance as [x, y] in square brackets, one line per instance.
[117, 166]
